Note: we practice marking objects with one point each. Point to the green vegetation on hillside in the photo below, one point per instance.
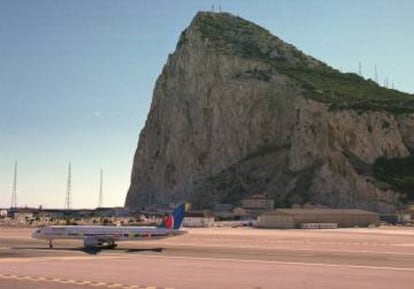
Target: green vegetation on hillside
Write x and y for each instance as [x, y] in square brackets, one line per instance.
[348, 90]
[399, 173]
[233, 35]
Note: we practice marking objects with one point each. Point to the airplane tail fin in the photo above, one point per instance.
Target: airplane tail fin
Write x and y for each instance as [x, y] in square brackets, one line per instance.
[175, 219]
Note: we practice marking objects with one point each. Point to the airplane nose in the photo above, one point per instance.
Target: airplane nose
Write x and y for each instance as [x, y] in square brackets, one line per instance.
[36, 234]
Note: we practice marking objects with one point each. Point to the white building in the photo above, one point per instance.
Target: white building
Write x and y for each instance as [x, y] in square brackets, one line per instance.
[198, 219]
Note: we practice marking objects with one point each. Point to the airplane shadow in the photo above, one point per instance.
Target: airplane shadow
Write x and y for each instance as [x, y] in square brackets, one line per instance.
[93, 250]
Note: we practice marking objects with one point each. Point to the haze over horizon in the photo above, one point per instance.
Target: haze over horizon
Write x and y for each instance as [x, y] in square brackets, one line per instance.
[77, 78]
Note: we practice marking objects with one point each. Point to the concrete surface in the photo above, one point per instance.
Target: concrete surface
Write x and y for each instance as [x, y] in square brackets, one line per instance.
[217, 258]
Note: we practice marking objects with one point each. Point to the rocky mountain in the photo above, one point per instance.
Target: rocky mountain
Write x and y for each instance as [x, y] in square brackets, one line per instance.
[236, 111]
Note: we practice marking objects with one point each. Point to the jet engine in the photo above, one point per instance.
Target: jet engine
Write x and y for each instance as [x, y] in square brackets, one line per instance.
[92, 242]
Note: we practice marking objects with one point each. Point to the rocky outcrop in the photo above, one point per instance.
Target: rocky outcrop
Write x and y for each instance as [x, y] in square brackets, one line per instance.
[406, 123]
[229, 119]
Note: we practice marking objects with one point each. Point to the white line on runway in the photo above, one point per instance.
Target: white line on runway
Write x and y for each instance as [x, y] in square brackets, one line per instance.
[284, 263]
[289, 249]
[311, 251]
[400, 259]
[36, 259]
[251, 252]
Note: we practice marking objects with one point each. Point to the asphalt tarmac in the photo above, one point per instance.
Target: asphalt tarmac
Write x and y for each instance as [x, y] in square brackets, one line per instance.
[216, 258]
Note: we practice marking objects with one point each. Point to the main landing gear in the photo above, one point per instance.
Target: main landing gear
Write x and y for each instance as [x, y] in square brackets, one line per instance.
[111, 245]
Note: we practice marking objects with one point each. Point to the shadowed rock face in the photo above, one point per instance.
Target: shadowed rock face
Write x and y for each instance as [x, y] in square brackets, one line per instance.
[236, 112]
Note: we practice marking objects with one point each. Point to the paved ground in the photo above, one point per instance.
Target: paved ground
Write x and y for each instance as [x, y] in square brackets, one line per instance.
[217, 258]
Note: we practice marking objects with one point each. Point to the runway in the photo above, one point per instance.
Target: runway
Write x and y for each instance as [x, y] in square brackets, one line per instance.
[217, 258]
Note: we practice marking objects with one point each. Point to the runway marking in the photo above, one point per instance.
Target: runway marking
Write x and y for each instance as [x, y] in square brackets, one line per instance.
[299, 249]
[285, 263]
[401, 259]
[405, 244]
[77, 282]
[36, 259]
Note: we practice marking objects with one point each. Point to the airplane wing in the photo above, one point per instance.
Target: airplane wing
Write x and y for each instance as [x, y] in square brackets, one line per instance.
[96, 241]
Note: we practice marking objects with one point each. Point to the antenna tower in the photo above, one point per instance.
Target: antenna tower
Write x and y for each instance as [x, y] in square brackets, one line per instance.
[359, 68]
[376, 74]
[100, 190]
[68, 190]
[14, 190]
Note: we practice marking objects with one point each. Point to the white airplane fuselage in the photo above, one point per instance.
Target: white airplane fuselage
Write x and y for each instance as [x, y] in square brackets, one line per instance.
[103, 233]
[99, 236]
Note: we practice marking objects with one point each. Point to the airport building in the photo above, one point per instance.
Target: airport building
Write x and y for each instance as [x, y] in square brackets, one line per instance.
[198, 219]
[260, 202]
[257, 204]
[410, 210]
[303, 218]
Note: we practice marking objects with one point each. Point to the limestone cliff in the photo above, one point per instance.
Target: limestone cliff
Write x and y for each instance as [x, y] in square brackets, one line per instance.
[237, 111]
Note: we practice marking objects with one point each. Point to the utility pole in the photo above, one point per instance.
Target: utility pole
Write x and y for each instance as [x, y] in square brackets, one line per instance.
[100, 190]
[68, 189]
[14, 190]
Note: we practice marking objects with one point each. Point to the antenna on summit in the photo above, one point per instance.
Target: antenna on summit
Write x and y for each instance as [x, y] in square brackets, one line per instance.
[359, 68]
[14, 190]
[376, 74]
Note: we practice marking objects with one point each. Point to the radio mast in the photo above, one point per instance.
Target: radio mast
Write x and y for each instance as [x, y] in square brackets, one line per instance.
[68, 190]
[100, 190]
[14, 190]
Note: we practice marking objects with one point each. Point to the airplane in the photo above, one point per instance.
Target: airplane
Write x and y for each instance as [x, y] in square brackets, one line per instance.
[106, 236]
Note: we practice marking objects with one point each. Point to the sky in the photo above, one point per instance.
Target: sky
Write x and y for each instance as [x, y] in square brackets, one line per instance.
[76, 78]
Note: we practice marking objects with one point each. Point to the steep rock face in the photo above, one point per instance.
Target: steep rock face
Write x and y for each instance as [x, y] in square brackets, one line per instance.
[407, 130]
[228, 119]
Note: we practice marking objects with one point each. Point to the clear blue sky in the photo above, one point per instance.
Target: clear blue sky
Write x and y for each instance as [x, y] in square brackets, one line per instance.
[76, 77]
